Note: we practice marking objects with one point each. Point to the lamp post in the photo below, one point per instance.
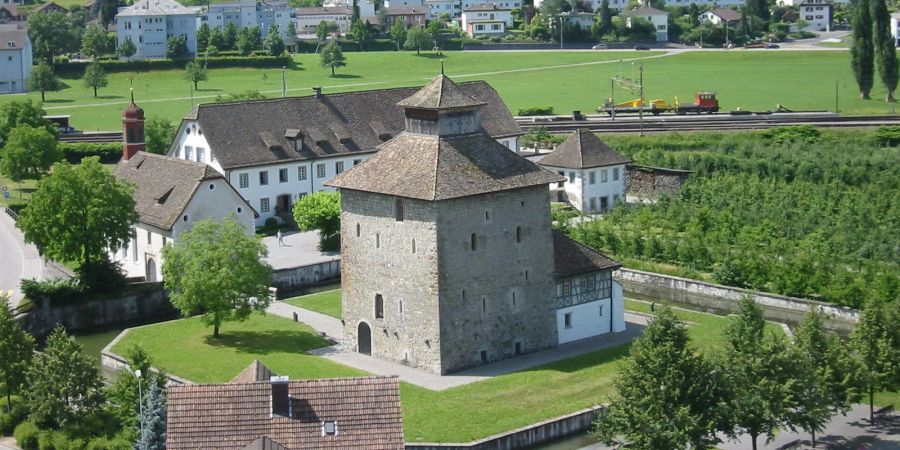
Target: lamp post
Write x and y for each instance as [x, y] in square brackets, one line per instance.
[137, 374]
[283, 83]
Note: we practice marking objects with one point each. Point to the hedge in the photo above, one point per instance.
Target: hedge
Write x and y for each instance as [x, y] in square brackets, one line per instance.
[77, 68]
[75, 151]
[536, 111]
[377, 45]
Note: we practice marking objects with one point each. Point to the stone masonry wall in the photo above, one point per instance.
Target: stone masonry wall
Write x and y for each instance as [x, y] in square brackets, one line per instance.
[378, 258]
[502, 292]
[649, 182]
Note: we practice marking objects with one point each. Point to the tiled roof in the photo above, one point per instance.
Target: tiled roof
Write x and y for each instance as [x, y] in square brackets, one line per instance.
[323, 10]
[726, 14]
[235, 416]
[11, 8]
[51, 7]
[155, 8]
[163, 185]
[572, 258]
[583, 150]
[440, 93]
[256, 371]
[15, 37]
[405, 10]
[486, 7]
[644, 11]
[237, 132]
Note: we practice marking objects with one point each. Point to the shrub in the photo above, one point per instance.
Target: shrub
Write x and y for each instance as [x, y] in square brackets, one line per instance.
[26, 435]
[781, 135]
[59, 291]
[536, 111]
[888, 135]
[271, 222]
[46, 441]
[495, 39]
[76, 151]
[105, 443]
[10, 420]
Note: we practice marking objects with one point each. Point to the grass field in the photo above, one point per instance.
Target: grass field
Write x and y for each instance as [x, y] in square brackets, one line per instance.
[577, 80]
[328, 302]
[460, 414]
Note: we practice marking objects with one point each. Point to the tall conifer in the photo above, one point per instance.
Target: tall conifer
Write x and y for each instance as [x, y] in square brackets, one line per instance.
[862, 54]
[884, 47]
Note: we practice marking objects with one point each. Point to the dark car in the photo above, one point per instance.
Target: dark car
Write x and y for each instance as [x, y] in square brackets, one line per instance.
[773, 46]
[641, 47]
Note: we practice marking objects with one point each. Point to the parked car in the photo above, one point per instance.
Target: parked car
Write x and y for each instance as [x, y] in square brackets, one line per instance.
[755, 45]
[600, 47]
[641, 47]
[773, 46]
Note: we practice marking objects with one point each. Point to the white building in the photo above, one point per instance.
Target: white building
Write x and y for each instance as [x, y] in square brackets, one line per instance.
[366, 7]
[15, 59]
[438, 7]
[150, 23]
[170, 196]
[595, 173]
[659, 19]
[275, 151]
[486, 19]
[398, 3]
[309, 18]
[816, 14]
[250, 13]
[718, 16]
[799, 2]
[584, 20]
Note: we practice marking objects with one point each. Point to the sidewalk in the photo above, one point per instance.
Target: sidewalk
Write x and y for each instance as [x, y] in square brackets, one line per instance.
[18, 260]
[338, 353]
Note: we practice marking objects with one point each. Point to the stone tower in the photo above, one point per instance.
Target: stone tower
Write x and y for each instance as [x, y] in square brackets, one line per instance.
[446, 248]
[132, 130]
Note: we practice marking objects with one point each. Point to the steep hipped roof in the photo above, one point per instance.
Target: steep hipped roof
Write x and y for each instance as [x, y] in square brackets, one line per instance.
[163, 185]
[12, 39]
[256, 371]
[572, 258]
[726, 14]
[439, 168]
[440, 93]
[583, 150]
[155, 8]
[234, 130]
[233, 416]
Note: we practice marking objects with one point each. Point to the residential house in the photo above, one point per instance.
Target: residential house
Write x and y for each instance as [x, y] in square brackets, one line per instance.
[595, 174]
[584, 20]
[659, 19]
[12, 2]
[150, 23]
[799, 2]
[411, 15]
[366, 7]
[170, 195]
[438, 7]
[274, 413]
[9, 13]
[704, 3]
[448, 256]
[276, 151]
[486, 20]
[410, 3]
[250, 13]
[50, 7]
[817, 14]
[15, 59]
[309, 18]
[718, 16]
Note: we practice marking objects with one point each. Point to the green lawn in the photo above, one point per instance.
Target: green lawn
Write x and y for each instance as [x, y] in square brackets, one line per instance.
[328, 302]
[576, 80]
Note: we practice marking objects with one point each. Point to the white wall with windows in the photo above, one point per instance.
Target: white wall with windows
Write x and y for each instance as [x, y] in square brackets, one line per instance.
[589, 305]
[817, 16]
[15, 64]
[592, 190]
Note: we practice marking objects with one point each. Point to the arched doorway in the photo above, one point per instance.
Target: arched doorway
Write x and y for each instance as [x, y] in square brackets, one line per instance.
[364, 339]
[151, 270]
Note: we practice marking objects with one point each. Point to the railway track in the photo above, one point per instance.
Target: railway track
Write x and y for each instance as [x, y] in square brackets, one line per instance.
[717, 122]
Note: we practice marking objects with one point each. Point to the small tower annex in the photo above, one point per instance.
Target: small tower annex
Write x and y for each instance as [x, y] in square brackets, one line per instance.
[132, 129]
[446, 245]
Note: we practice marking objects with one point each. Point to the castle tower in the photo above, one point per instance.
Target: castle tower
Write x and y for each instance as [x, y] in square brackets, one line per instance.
[132, 130]
[446, 246]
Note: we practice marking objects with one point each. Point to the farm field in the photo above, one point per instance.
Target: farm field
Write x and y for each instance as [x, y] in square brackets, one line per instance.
[456, 415]
[572, 80]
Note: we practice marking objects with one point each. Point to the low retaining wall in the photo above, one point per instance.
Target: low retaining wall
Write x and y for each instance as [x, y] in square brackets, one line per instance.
[142, 302]
[294, 279]
[539, 433]
[694, 292]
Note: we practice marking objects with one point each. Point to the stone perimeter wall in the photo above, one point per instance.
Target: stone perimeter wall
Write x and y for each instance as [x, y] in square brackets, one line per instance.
[651, 182]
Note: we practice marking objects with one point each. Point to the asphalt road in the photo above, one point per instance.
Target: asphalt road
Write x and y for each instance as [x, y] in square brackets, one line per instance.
[12, 259]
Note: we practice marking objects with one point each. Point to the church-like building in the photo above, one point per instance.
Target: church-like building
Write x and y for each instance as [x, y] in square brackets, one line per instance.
[447, 253]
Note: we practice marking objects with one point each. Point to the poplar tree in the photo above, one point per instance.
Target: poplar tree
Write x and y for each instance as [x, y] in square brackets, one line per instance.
[884, 47]
[16, 350]
[862, 54]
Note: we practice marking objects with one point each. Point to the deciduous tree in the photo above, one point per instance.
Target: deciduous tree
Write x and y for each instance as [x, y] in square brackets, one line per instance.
[176, 47]
[862, 53]
[884, 46]
[51, 34]
[16, 351]
[398, 33]
[249, 40]
[874, 340]
[63, 383]
[321, 211]
[159, 133]
[332, 56]
[324, 29]
[22, 112]
[229, 37]
[216, 269]
[79, 212]
[43, 79]
[94, 41]
[202, 37]
[29, 153]
[417, 38]
[667, 395]
[195, 72]
[274, 43]
[126, 49]
[122, 397]
[95, 77]
[360, 34]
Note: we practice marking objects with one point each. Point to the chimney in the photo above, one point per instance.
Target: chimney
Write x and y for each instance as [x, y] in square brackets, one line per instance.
[281, 402]
[318, 91]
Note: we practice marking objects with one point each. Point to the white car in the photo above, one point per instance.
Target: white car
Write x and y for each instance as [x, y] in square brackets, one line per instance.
[599, 47]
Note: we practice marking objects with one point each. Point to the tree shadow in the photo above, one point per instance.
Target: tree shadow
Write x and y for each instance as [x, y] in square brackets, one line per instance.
[208, 90]
[109, 97]
[58, 100]
[267, 342]
[435, 55]
[345, 75]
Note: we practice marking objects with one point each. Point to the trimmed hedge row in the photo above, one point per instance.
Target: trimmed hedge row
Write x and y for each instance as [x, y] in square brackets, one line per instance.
[378, 45]
[76, 151]
[77, 68]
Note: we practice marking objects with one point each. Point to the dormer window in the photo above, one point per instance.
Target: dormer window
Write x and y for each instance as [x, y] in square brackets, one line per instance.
[329, 428]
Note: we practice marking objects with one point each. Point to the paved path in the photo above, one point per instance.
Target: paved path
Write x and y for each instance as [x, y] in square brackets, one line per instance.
[338, 353]
[8, 443]
[18, 260]
[299, 249]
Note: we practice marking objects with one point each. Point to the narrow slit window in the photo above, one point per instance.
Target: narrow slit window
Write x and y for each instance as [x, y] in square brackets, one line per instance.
[473, 242]
[519, 235]
[379, 306]
[398, 210]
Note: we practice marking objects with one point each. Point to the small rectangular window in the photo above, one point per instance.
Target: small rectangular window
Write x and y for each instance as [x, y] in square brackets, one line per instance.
[149, 238]
[356, 161]
[301, 173]
[379, 306]
[615, 174]
[282, 175]
[604, 175]
[201, 154]
[568, 320]
[264, 205]
[571, 177]
[188, 152]
[339, 167]
[566, 288]
[320, 170]
[263, 177]
[592, 177]
[244, 180]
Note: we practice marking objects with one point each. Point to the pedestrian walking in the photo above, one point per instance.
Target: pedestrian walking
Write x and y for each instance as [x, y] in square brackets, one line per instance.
[280, 238]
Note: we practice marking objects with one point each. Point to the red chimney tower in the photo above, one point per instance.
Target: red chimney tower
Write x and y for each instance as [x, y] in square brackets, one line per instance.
[132, 130]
